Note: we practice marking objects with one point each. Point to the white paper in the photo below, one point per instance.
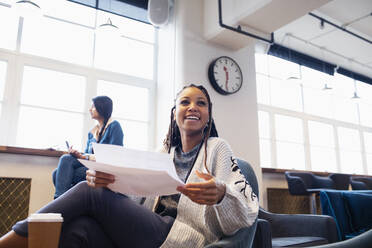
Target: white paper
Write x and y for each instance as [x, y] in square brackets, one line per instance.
[136, 172]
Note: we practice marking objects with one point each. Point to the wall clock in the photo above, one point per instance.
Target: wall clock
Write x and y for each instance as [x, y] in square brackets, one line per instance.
[225, 75]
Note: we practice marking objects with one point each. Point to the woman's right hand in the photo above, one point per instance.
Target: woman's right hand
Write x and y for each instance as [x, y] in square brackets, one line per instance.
[75, 153]
[97, 179]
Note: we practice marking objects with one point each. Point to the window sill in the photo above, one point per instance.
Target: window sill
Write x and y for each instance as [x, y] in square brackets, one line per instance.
[30, 151]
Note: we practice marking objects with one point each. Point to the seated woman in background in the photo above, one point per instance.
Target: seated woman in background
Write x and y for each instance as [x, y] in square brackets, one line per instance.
[70, 171]
[215, 201]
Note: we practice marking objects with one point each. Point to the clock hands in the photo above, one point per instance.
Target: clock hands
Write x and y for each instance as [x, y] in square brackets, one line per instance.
[227, 76]
[233, 75]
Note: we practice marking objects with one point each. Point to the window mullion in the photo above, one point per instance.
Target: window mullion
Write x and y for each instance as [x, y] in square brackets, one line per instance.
[6, 109]
[363, 151]
[337, 148]
[273, 141]
[19, 34]
[12, 98]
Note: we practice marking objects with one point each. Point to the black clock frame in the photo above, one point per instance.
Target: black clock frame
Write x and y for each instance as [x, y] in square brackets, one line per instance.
[212, 79]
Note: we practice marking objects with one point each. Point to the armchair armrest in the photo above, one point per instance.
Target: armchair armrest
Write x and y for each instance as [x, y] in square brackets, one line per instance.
[262, 238]
[301, 225]
[243, 238]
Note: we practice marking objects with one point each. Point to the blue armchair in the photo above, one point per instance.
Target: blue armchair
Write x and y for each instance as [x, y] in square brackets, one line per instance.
[305, 183]
[361, 183]
[244, 237]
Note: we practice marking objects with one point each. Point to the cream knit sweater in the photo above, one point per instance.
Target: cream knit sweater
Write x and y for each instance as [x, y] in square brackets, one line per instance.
[198, 225]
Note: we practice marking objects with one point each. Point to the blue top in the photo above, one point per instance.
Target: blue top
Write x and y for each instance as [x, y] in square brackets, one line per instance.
[112, 135]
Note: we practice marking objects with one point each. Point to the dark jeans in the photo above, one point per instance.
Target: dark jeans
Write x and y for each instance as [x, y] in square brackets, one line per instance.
[97, 218]
[68, 173]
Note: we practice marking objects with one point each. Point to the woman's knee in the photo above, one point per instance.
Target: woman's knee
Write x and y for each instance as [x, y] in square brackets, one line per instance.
[66, 158]
[82, 186]
[67, 162]
[84, 232]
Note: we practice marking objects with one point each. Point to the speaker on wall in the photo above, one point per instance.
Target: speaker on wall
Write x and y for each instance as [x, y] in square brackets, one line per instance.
[158, 12]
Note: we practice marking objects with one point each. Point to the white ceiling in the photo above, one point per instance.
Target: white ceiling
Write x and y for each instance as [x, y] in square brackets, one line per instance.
[305, 35]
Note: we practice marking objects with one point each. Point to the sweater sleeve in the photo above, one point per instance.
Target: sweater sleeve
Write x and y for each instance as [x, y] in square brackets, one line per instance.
[239, 207]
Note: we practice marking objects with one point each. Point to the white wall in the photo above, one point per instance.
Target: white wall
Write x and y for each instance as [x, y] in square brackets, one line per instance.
[38, 168]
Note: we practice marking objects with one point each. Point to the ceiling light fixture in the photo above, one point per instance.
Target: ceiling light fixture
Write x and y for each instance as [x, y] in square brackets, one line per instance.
[341, 27]
[108, 28]
[27, 8]
[292, 76]
[326, 86]
[355, 96]
[295, 77]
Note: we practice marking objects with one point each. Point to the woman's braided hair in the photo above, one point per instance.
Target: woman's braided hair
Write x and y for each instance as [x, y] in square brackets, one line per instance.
[103, 105]
[173, 137]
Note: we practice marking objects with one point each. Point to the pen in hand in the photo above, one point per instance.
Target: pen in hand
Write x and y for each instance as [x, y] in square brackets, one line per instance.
[68, 146]
[74, 153]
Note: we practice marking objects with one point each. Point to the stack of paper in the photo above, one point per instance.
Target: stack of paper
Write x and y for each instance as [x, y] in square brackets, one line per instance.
[136, 172]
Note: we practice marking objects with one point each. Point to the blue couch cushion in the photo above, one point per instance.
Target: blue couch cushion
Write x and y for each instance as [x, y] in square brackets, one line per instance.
[359, 207]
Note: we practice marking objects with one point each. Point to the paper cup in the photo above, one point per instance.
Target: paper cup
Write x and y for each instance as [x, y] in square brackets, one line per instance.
[44, 230]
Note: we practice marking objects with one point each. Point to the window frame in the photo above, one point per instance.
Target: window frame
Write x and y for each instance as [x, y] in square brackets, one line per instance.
[306, 118]
[13, 86]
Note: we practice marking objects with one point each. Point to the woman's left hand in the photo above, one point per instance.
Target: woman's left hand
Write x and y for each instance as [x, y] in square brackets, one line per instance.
[97, 179]
[209, 192]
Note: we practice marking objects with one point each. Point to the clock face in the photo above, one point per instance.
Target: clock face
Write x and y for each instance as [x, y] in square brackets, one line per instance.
[225, 75]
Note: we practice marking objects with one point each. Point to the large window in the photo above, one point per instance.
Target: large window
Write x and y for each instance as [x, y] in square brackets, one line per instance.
[132, 53]
[265, 139]
[3, 66]
[322, 146]
[51, 110]
[58, 62]
[47, 38]
[289, 142]
[368, 149]
[350, 150]
[131, 109]
[304, 125]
